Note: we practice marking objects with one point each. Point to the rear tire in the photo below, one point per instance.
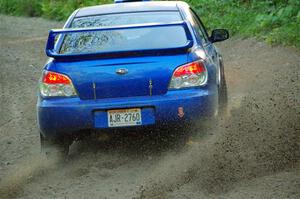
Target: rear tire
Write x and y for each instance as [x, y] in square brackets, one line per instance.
[55, 148]
[223, 96]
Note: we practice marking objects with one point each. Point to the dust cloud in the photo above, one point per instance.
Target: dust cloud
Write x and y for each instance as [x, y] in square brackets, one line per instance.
[259, 138]
[25, 172]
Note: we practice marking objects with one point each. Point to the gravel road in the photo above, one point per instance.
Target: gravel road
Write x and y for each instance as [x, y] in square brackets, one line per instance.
[251, 152]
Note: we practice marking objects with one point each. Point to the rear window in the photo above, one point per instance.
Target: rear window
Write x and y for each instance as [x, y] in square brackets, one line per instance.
[126, 19]
[125, 39]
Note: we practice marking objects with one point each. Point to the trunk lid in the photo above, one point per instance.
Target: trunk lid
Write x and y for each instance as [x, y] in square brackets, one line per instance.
[99, 79]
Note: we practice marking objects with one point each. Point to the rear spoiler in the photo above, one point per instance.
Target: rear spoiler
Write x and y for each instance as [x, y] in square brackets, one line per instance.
[52, 47]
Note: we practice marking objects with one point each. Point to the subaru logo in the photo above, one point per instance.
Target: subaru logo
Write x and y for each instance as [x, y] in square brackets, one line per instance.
[122, 71]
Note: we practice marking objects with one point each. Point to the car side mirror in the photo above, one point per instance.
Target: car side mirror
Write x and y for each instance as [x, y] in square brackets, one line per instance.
[219, 35]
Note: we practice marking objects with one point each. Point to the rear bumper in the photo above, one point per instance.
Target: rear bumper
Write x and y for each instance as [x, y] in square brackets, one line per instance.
[70, 115]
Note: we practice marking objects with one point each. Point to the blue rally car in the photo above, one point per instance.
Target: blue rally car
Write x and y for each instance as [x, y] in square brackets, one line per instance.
[128, 64]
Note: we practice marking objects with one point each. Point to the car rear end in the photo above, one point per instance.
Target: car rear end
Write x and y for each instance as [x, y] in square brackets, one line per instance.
[123, 70]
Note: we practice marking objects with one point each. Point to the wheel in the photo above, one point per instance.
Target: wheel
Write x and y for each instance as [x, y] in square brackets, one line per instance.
[222, 90]
[55, 148]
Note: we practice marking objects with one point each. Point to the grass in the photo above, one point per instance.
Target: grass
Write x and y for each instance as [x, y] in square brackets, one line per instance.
[275, 21]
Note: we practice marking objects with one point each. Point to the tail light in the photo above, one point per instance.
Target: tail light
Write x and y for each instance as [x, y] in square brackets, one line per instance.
[55, 84]
[189, 75]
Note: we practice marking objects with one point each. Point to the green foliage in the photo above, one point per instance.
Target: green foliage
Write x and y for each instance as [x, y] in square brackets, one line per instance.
[51, 9]
[30, 8]
[61, 9]
[276, 21]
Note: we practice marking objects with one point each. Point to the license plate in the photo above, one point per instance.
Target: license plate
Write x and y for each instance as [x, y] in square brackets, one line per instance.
[124, 117]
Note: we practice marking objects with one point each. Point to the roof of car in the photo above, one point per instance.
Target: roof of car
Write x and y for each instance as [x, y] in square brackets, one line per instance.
[130, 7]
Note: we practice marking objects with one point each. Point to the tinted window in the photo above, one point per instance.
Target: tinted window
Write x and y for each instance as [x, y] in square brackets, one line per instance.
[126, 19]
[128, 39]
[124, 40]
